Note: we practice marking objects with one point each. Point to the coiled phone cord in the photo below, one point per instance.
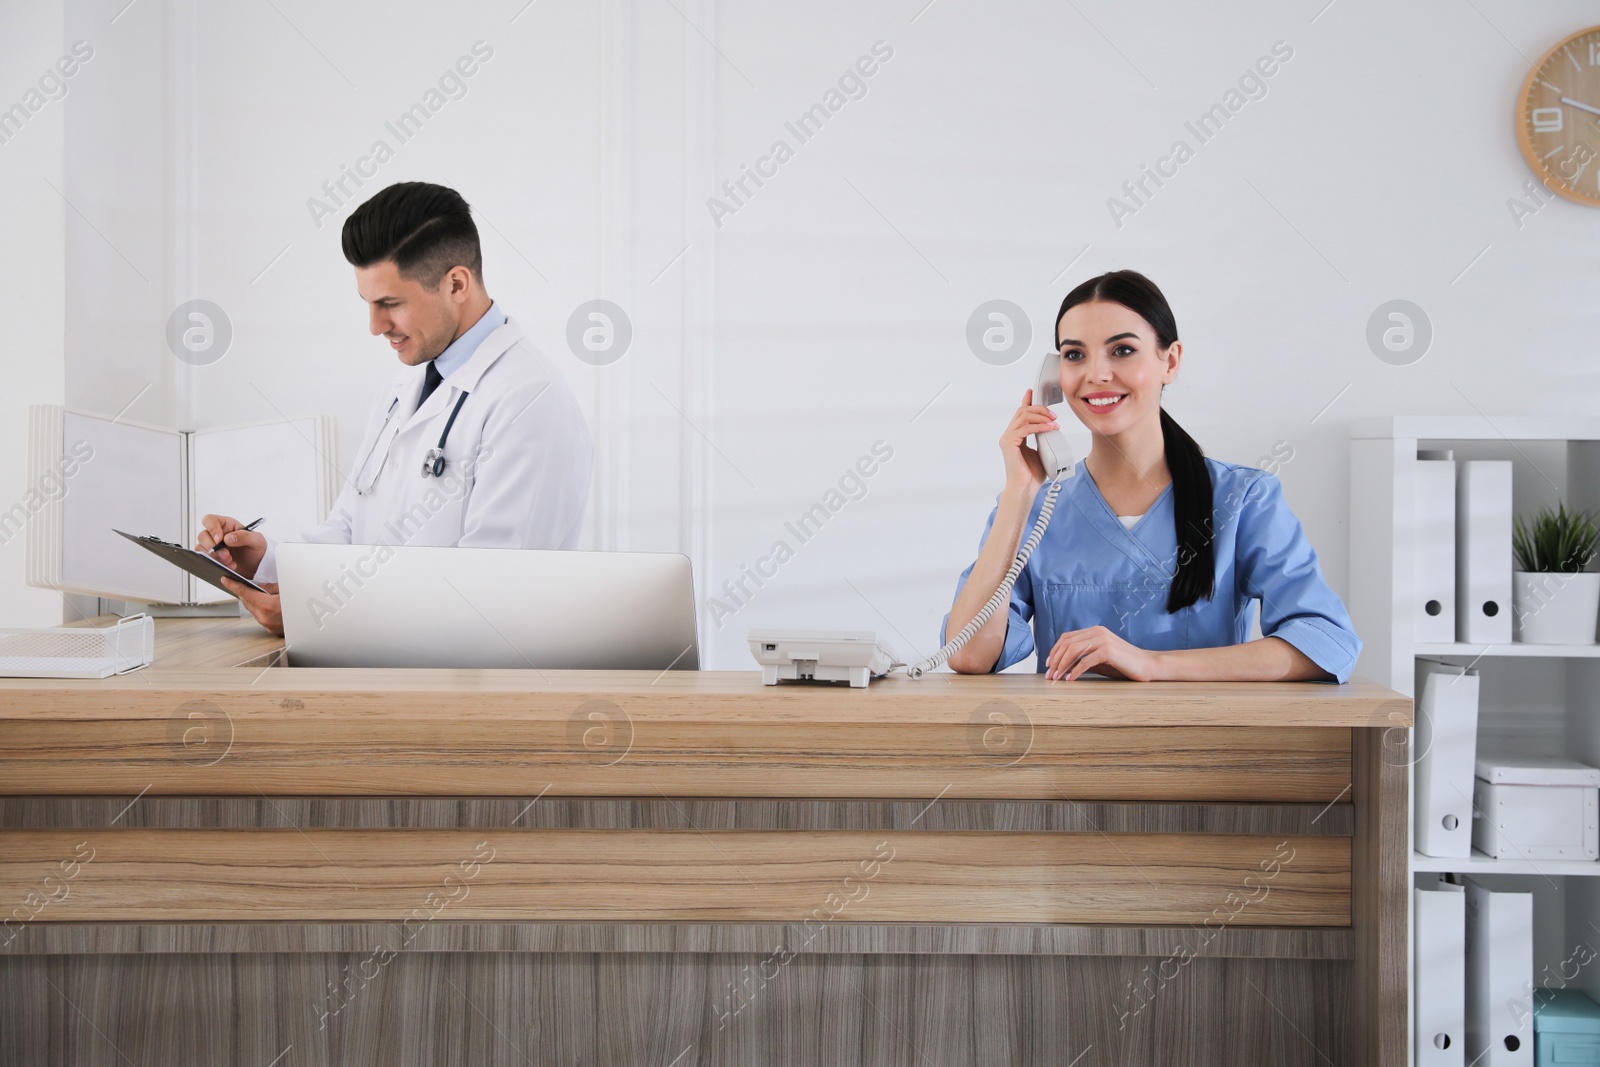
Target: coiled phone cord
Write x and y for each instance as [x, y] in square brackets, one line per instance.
[1002, 594]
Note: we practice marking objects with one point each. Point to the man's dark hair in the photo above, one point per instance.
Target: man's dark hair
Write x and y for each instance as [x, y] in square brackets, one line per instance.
[426, 229]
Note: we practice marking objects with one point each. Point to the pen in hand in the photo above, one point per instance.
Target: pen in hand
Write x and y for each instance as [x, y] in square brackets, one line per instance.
[242, 529]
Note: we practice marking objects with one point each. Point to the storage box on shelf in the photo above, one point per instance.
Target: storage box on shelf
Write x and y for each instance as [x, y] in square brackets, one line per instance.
[1567, 1025]
[1536, 808]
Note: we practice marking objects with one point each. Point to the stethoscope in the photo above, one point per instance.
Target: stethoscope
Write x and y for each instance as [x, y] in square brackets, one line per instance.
[433, 463]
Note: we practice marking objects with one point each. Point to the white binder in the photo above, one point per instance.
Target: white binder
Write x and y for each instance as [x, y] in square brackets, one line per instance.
[1439, 1007]
[1446, 744]
[1499, 977]
[1483, 551]
[1433, 601]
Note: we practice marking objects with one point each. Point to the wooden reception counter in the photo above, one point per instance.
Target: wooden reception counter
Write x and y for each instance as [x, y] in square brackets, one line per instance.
[222, 860]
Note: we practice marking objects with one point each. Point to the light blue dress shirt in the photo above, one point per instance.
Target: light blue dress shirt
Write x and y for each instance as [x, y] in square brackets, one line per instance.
[1090, 570]
[462, 348]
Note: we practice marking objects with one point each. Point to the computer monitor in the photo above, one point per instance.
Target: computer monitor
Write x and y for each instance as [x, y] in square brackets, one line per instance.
[381, 606]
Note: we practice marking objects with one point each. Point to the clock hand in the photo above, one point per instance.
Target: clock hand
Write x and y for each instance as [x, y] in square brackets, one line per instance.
[1580, 106]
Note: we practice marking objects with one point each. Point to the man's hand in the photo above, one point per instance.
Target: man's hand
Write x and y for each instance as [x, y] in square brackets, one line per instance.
[1077, 651]
[232, 545]
[266, 607]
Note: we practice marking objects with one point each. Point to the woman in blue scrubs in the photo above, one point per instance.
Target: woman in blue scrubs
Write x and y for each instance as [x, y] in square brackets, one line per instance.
[1155, 551]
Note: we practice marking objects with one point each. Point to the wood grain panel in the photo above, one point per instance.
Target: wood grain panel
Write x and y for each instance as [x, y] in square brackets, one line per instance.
[728, 697]
[203, 751]
[894, 939]
[512, 1010]
[663, 813]
[668, 875]
[1381, 880]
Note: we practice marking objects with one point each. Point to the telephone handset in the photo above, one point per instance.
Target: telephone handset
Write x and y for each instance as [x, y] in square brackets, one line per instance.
[1056, 456]
[1054, 452]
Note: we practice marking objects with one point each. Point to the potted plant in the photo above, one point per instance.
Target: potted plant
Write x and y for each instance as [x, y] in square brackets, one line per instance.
[1554, 602]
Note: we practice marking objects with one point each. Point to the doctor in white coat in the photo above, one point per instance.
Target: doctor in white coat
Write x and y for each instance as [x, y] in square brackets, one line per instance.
[478, 442]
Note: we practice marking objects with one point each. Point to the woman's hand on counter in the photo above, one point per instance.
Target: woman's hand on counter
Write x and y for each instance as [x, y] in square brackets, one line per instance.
[1098, 648]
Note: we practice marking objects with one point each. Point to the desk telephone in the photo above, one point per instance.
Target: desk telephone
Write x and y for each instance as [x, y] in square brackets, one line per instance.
[845, 656]
[1054, 452]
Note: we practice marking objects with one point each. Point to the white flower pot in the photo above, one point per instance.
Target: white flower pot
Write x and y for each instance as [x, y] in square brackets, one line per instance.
[1555, 608]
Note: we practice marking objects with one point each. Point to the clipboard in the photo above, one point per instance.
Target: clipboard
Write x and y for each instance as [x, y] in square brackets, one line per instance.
[207, 568]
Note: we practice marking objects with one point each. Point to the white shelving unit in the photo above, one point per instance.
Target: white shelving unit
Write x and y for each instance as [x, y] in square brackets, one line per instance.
[1508, 651]
[1541, 699]
[1478, 864]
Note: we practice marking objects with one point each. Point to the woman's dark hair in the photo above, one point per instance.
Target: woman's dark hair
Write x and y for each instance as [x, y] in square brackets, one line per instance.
[426, 229]
[1196, 576]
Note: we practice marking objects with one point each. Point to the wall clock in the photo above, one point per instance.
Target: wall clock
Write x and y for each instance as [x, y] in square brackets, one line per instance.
[1558, 118]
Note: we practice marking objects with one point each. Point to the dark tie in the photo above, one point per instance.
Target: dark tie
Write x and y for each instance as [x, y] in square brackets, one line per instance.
[430, 382]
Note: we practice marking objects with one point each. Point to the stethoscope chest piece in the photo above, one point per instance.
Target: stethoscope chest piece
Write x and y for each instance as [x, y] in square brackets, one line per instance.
[433, 462]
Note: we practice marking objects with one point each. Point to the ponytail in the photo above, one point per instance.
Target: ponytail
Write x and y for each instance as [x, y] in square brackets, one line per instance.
[1196, 576]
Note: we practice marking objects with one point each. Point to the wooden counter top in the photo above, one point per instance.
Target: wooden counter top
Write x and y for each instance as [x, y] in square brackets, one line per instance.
[229, 662]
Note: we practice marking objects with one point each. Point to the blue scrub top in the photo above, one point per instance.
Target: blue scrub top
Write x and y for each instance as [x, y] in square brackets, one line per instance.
[1090, 570]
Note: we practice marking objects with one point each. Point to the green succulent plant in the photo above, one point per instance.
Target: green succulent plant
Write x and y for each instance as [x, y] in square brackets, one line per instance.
[1558, 540]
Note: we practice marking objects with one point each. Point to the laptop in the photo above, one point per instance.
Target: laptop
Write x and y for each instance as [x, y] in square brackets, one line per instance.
[377, 606]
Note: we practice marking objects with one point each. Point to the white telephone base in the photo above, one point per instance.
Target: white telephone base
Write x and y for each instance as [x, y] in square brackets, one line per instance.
[854, 656]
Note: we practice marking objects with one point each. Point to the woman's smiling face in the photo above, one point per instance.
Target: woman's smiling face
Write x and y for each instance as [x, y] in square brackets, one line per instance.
[1110, 354]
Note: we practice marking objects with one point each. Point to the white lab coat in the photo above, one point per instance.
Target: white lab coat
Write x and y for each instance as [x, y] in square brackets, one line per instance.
[517, 462]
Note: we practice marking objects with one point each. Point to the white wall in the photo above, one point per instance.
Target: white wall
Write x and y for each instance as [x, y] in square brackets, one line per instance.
[31, 277]
[829, 310]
